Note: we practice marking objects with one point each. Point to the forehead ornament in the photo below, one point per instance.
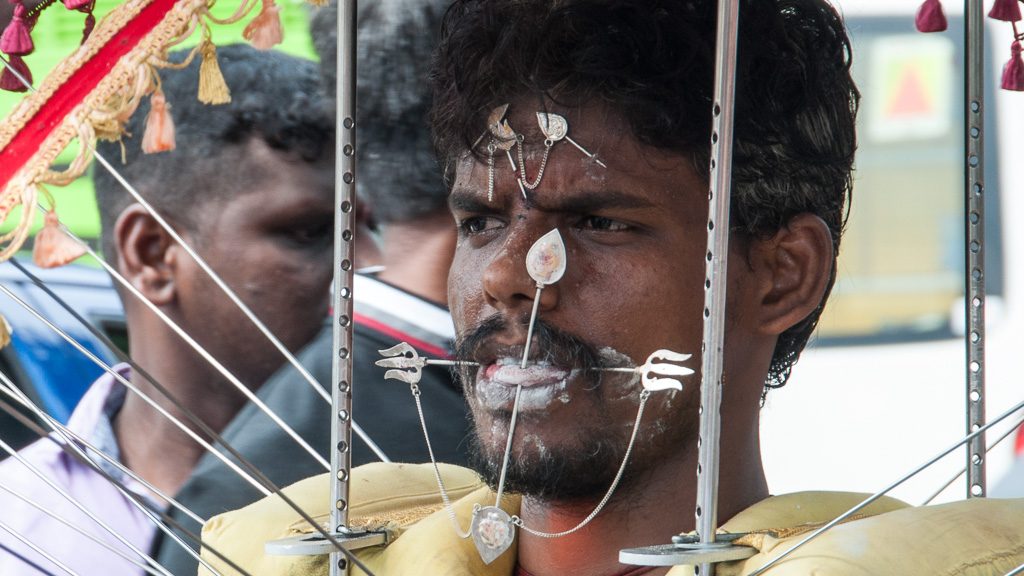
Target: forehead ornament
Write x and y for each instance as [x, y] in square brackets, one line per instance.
[501, 137]
[555, 129]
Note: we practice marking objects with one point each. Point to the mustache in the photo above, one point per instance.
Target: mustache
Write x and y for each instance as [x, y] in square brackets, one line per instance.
[553, 345]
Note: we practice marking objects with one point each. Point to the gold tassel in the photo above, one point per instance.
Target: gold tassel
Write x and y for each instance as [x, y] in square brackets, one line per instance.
[319, 3]
[53, 247]
[159, 134]
[212, 87]
[264, 32]
[5, 332]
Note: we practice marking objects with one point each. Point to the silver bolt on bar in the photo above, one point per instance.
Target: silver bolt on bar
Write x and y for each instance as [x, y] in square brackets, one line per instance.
[707, 552]
[974, 299]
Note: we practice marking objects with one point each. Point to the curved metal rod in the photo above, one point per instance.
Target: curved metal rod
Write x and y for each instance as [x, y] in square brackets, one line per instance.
[271, 488]
[128, 384]
[949, 483]
[231, 295]
[36, 548]
[36, 472]
[143, 505]
[889, 488]
[69, 436]
[140, 565]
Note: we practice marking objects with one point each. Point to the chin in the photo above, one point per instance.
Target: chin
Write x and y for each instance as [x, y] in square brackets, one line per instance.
[578, 470]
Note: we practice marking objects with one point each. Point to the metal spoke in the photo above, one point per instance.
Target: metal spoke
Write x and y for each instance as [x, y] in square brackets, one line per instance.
[889, 488]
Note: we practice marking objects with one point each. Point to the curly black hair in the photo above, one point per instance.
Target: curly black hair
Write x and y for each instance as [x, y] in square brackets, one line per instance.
[275, 97]
[652, 63]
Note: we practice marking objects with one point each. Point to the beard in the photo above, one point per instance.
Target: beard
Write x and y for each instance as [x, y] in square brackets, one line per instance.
[578, 470]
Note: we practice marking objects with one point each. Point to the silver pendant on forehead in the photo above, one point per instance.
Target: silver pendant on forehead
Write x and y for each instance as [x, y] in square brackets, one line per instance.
[493, 532]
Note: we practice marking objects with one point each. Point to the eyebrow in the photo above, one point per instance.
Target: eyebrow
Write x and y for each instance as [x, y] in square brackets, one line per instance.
[582, 202]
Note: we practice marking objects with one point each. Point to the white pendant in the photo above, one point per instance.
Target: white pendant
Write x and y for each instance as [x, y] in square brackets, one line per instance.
[545, 262]
[493, 532]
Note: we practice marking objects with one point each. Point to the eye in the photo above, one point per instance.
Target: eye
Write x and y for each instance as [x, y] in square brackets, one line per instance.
[476, 225]
[602, 224]
[310, 235]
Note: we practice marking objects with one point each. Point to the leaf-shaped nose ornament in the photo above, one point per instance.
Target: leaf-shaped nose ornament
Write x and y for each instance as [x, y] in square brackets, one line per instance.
[545, 262]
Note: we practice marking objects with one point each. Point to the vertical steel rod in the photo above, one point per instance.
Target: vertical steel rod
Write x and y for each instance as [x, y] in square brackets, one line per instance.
[974, 300]
[344, 213]
[715, 281]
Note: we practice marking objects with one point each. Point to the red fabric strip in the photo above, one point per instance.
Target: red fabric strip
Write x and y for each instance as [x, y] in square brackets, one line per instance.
[400, 336]
[21, 148]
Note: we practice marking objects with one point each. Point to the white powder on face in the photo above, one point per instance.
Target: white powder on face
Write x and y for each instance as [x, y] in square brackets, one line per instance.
[621, 385]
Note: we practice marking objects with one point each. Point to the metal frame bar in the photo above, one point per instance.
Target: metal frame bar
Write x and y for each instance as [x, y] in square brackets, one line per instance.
[344, 213]
[974, 270]
[712, 349]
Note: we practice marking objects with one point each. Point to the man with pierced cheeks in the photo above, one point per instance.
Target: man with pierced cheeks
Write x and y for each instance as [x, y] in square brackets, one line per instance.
[633, 80]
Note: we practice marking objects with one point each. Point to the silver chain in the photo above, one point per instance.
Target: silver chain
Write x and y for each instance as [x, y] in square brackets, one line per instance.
[516, 520]
[611, 489]
[437, 471]
[522, 162]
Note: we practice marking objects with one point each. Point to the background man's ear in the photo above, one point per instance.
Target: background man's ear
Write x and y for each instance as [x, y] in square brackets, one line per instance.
[793, 269]
[144, 254]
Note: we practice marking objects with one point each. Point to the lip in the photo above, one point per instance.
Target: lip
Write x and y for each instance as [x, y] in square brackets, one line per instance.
[543, 384]
[506, 372]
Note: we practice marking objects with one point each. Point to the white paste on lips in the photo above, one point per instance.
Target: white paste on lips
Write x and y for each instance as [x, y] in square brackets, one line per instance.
[542, 383]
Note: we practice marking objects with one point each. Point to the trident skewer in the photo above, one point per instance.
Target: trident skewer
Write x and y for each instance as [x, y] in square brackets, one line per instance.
[406, 365]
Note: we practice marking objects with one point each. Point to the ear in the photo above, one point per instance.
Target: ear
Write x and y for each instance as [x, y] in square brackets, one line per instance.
[144, 254]
[793, 269]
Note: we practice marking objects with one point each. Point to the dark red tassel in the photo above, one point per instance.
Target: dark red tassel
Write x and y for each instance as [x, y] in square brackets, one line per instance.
[10, 82]
[1005, 10]
[16, 40]
[1013, 71]
[90, 23]
[930, 17]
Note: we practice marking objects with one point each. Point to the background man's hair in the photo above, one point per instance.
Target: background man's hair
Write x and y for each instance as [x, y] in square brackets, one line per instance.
[275, 97]
[651, 61]
[398, 170]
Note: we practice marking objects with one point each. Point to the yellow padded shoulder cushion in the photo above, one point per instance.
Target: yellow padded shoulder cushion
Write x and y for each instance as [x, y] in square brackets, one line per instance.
[978, 537]
[391, 496]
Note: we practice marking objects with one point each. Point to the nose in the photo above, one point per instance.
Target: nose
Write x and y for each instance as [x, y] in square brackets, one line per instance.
[507, 285]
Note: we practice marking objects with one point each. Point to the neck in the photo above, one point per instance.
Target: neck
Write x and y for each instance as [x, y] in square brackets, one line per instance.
[417, 255]
[164, 455]
[654, 507]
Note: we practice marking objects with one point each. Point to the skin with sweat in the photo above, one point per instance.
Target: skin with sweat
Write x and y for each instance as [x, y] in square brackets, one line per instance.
[635, 235]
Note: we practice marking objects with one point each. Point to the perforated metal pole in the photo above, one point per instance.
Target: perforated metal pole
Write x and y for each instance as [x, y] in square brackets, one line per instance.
[974, 116]
[715, 280]
[344, 216]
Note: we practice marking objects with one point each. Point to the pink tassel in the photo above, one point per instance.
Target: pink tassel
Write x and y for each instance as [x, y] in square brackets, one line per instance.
[10, 82]
[53, 247]
[76, 4]
[264, 32]
[16, 40]
[159, 134]
[1005, 10]
[930, 17]
[1013, 71]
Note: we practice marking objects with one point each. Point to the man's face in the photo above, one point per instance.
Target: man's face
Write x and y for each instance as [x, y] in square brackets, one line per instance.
[271, 242]
[635, 235]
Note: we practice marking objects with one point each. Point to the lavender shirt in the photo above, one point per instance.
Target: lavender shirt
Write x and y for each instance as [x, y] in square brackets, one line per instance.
[91, 420]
